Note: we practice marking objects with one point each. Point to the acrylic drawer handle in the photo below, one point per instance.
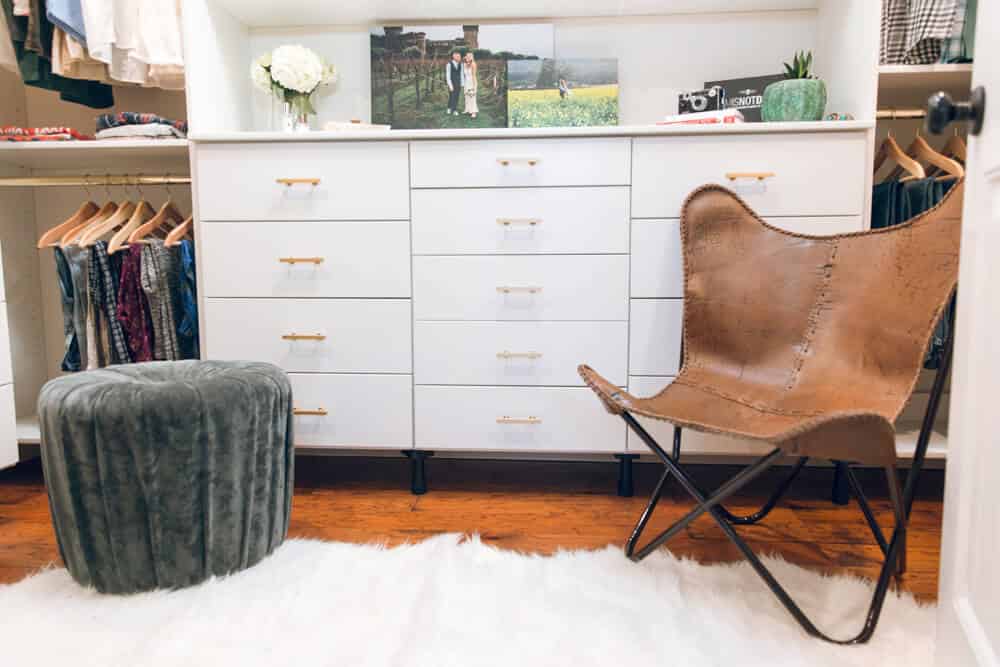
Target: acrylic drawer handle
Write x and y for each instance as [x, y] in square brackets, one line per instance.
[318, 412]
[507, 161]
[759, 175]
[519, 420]
[289, 182]
[507, 222]
[300, 260]
[519, 355]
[510, 289]
[295, 336]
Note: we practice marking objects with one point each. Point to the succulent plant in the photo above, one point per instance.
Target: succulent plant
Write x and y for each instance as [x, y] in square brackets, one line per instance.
[799, 69]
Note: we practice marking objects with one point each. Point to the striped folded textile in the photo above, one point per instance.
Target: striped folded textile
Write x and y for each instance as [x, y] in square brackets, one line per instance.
[109, 120]
[57, 133]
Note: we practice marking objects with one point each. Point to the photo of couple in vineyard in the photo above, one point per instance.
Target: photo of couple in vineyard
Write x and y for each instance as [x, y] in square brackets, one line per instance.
[434, 76]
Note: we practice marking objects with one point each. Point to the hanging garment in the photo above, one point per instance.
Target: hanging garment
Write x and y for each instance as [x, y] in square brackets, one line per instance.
[36, 68]
[160, 283]
[71, 355]
[78, 260]
[22, 7]
[67, 15]
[892, 42]
[71, 60]
[929, 23]
[187, 330]
[105, 293]
[959, 46]
[133, 309]
[159, 38]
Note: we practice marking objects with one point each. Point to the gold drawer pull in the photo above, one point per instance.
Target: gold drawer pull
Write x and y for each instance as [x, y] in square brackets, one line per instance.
[319, 412]
[522, 355]
[507, 161]
[759, 175]
[300, 260]
[510, 289]
[289, 182]
[295, 336]
[507, 222]
[519, 420]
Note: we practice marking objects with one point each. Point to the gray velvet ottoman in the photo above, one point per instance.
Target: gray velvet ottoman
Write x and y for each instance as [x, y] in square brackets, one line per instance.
[163, 474]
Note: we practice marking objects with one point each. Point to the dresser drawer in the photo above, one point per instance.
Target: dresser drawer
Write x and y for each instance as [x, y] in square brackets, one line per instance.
[356, 181]
[519, 162]
[692, 442]
[535, 419]
[517, 353]
[6, 371]
[312, 335]
[268, 259]
[361, 411]
[557, 287]
[813, 174]
[520, 221]
[655, 336]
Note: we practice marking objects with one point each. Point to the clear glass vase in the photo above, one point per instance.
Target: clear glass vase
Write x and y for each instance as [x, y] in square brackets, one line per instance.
[293, 118]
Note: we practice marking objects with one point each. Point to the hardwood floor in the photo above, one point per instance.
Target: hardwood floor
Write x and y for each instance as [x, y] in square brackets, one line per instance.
[539, 507]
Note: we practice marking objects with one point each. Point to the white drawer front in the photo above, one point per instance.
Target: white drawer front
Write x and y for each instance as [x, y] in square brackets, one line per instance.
[358, 259]
[692, 442]
[357, 181]
[517, 353]
[519, 162]
[569, 287]
[354, 335]
[655, 336]
[362, 411]
[657, 266]
[535, 419]
[8, 427]
[814, 174]
[520, 221]
[6, 372]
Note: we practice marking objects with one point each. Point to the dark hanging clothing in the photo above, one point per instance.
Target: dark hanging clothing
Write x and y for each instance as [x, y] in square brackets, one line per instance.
[158, 277]
[105, 279]
[187, 330]
[71, 356]
[133, 310]
[31, 37]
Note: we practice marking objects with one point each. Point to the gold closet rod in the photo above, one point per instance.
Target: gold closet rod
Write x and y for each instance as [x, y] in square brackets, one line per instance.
[899, 114]
[107, 179]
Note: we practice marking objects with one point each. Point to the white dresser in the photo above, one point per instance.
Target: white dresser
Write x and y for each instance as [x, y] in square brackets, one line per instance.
[8, 425]
[433, 293]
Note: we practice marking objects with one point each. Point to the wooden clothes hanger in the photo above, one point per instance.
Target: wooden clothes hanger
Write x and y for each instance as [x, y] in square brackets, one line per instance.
[51, 237]
[167, 213]
[923, 151]
[96, 231]
[955, 149]
[179, 232]
[891, 149]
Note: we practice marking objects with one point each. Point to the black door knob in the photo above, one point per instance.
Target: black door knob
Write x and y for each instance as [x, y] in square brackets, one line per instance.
[941, 110]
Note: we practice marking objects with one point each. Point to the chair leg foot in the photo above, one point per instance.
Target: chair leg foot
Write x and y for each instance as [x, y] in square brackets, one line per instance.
[418, 471]
[626, 485]
[841, 493]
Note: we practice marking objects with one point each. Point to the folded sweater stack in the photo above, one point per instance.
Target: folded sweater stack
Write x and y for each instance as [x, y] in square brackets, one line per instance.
[12, 133]
[134, 125]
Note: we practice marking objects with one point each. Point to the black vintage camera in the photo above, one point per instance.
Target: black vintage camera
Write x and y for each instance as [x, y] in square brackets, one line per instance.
[710, 99]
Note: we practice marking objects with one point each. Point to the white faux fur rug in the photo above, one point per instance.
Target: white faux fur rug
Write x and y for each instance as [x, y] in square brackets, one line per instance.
[447, 601]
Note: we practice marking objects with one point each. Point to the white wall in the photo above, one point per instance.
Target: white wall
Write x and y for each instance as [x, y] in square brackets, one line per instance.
[658, 57]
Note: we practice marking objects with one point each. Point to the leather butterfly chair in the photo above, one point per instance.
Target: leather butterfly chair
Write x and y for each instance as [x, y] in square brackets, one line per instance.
[810, 344]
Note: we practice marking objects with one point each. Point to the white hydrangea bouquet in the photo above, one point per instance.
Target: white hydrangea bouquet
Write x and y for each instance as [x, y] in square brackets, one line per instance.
[291, 74]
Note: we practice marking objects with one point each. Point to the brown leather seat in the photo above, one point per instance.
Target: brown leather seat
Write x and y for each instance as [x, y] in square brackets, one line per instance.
[813, 344]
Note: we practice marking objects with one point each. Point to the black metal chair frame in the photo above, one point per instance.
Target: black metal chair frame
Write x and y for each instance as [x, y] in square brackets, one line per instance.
[893, 549]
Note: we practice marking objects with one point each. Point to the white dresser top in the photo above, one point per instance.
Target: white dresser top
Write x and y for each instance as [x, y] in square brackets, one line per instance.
[535, 133]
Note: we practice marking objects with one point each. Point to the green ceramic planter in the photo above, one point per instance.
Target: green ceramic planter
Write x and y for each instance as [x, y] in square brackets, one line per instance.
[794, 99]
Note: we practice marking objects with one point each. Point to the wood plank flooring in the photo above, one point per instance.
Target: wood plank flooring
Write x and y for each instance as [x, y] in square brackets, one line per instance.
[539, 507]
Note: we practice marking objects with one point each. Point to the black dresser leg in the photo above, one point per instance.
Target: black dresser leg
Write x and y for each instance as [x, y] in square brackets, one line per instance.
[841, 494]
[626, 487]
[418, 472]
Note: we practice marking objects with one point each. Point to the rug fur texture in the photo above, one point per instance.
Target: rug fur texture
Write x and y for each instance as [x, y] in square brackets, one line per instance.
[453, 601]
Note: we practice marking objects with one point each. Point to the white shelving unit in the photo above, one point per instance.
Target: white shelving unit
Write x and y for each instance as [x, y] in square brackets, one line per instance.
[96, 157]
[906, 86]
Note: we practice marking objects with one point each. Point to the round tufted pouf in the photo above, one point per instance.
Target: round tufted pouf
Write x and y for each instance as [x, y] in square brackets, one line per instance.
[163, 474]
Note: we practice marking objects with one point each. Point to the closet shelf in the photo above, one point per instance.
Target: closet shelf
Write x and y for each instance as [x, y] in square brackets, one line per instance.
[264, 13]
[97, 157]
[910, 85]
